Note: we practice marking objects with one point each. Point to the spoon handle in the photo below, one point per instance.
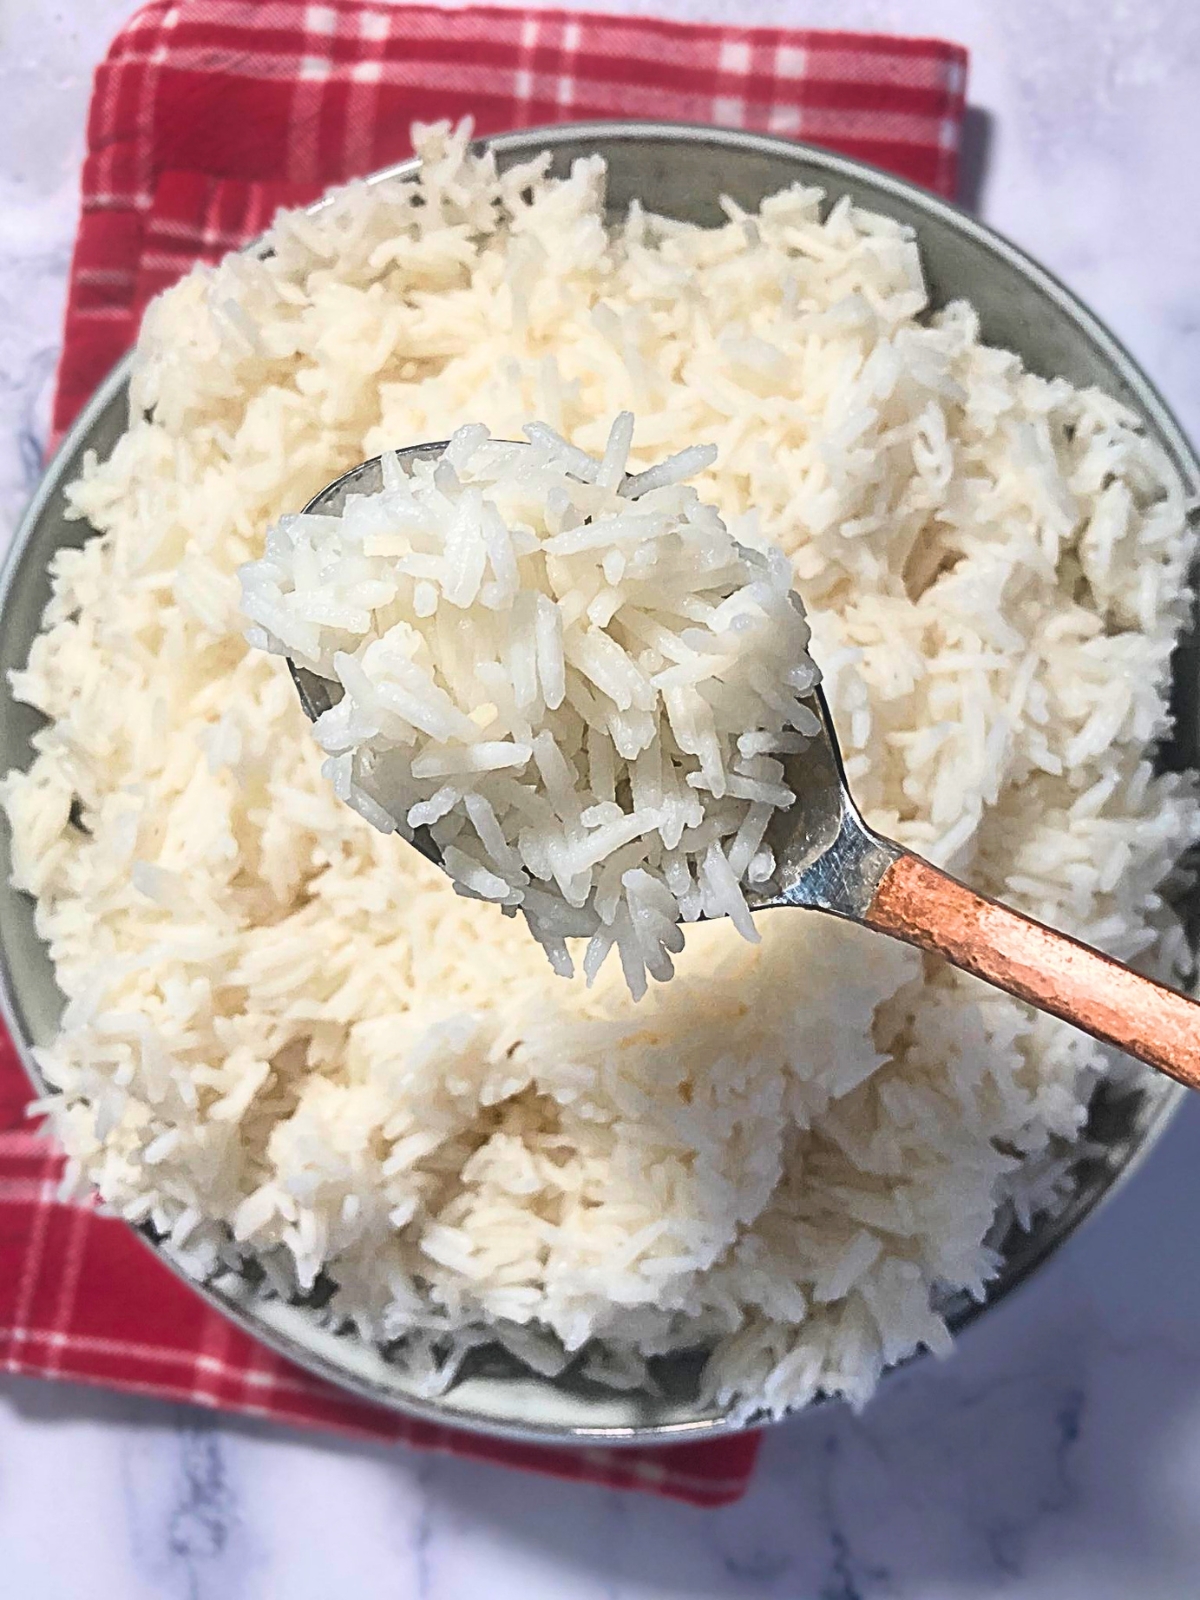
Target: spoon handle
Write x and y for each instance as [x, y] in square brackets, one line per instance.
[923, 906]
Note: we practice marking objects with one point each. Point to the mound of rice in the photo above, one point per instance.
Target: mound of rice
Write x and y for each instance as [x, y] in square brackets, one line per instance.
[591, 733]
[287, 1035]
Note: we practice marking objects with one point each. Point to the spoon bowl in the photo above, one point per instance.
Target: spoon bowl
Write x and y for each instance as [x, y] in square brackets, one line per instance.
[317, 694]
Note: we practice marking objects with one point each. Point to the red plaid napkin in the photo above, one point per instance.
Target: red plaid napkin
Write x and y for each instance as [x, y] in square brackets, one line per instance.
[206, 116]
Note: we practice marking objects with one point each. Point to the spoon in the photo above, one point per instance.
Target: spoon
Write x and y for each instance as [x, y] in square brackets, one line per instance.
[828, 859]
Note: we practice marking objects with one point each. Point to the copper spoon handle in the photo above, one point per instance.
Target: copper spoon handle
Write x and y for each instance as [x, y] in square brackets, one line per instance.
[917, 903]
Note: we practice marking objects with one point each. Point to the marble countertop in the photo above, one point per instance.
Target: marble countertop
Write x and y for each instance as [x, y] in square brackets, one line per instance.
[1056, 1456]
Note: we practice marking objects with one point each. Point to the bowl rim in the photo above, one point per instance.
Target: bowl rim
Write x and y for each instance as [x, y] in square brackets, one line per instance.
[528, 142]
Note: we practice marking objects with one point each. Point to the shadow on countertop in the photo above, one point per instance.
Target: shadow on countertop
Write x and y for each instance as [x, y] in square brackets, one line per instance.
[974, 158]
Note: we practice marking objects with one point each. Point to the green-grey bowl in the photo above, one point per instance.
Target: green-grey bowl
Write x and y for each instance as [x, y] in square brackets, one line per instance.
[680, 171]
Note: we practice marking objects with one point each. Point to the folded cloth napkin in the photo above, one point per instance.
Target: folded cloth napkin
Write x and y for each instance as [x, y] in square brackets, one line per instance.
[206, 116]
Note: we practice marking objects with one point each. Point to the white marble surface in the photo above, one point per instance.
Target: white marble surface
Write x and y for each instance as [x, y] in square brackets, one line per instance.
[1057, 1456]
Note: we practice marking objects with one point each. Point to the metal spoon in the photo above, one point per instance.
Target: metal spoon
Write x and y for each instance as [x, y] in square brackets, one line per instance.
[828, 859]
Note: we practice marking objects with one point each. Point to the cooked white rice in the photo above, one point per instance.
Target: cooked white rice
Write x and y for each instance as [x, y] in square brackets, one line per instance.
[575, 679]
[286, 1027]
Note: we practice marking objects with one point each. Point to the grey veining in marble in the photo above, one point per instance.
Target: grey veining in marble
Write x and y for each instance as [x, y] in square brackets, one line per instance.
[1057, 1455]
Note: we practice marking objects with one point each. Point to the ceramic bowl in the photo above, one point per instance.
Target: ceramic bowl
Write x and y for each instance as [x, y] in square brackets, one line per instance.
[682, 172]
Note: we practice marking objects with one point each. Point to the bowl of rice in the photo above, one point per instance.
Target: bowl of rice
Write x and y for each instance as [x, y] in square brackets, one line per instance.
[362, 1113]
